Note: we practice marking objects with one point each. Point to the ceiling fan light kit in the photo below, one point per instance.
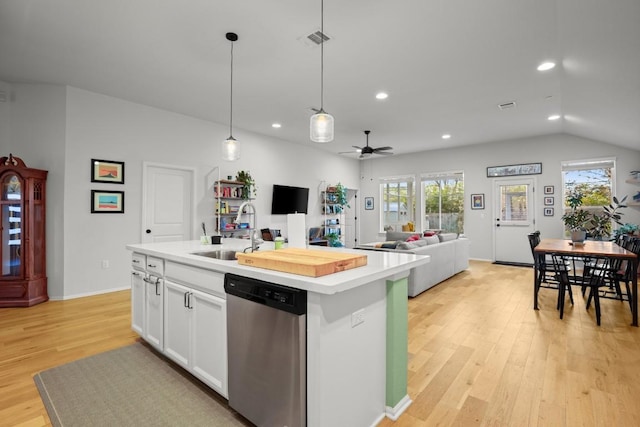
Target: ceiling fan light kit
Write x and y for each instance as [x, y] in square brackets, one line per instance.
[321, 123]
[366, 151]
[230, 146]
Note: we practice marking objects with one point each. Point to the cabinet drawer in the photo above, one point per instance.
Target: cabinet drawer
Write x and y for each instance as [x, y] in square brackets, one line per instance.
[211, 282]
[138, 261]
[155, 265]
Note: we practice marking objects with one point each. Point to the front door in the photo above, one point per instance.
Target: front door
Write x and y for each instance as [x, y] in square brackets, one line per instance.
[514, 218]
[167, 203]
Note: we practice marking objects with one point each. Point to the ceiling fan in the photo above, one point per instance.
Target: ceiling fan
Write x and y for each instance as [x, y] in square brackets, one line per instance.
[367, 151]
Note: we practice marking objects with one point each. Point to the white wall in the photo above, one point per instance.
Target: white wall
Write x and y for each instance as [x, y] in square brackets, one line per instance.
[103, 127]
[5, 136]
[549, 150]
[37, 129]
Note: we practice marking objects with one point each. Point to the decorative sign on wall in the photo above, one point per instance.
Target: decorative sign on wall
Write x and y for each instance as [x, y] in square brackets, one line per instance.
[368, 203]
[513, 170]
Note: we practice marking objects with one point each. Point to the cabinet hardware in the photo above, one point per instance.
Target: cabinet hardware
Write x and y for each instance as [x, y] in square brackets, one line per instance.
[157, 291]
[186, 294]
[136, 261]
[135, 273]
[190, 305]
[151, 265]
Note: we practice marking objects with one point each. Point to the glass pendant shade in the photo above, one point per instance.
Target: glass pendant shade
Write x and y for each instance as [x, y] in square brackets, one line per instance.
[230, 149]
[322, 127]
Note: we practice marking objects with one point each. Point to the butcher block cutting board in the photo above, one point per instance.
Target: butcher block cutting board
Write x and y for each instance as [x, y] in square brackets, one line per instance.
[304, 262]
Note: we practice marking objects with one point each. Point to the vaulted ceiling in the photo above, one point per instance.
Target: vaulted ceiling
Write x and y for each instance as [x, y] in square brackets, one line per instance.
[445, 64]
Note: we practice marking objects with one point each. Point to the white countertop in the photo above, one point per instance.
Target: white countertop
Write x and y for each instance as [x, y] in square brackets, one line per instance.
[380, 265]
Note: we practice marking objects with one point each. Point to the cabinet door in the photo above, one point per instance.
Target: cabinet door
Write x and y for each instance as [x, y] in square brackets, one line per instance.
[154, 310]
[137, 302]
[209, 340]
[176, 323]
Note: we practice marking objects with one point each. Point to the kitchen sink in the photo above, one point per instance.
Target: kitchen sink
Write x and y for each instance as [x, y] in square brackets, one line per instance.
[220, 254]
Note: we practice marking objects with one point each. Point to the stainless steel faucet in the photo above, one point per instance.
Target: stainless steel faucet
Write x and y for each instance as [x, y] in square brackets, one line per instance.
[254, 242]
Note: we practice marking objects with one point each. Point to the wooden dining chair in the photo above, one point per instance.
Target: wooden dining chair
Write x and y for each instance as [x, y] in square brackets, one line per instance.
[560, 266]
[596, 275]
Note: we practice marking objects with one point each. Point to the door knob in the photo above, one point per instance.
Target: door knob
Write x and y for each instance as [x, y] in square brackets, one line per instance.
[148, 231]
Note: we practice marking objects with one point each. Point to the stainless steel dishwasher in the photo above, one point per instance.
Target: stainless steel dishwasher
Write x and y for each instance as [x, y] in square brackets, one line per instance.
[267, 347]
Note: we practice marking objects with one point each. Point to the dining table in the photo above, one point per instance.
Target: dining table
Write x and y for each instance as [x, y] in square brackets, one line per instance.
[589, 248]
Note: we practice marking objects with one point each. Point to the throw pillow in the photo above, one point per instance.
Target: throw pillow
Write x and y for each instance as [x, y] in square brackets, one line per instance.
[412, 238]
[445, 237]
[389, 245]
[432, 240]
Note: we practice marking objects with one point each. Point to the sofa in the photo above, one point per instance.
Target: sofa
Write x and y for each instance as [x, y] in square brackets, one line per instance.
[449, 255]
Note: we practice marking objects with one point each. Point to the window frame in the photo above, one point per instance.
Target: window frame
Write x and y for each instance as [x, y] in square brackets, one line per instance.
[452, 174]
[411, 198]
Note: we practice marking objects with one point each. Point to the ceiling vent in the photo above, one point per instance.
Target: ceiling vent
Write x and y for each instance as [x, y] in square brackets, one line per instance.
[507, 105]
[318, 37]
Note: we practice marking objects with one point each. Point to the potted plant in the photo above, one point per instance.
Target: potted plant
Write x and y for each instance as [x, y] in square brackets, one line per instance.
[341, 196]
[601, 223]
[333, 240]
[626, 228]
[249, 185]
[577, 218]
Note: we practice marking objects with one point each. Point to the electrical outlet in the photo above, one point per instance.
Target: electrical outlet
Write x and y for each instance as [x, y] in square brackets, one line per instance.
[357, 317]
[105, 263]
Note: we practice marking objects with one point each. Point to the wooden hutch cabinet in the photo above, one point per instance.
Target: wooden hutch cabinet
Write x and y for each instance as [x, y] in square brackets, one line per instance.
[22, 226]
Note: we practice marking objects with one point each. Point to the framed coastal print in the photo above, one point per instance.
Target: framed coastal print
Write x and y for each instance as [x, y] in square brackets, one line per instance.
[548, 211]
[368, 203]
[107, 171]
[107, 201]
[514, 170]
[548, 201]
[477, 201]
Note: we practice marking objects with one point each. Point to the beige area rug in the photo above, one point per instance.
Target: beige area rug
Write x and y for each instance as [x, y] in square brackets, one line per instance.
[130, 386]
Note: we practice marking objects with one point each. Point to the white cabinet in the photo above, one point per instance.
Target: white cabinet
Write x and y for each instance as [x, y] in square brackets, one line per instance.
[137, 301]
[147, 306]
[195, 326]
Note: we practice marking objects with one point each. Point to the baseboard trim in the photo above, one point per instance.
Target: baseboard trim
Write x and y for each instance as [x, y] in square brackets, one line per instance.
[87, 294]
[513, 264]
[395, 412]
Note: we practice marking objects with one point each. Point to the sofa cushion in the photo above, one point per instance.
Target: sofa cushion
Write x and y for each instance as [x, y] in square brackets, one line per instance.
[445, 237]
[431, 240]
[399, 235]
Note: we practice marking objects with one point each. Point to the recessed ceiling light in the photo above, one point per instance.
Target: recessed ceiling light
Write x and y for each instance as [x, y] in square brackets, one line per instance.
[446, 136]
[553, 117]
[545, 66]
[382, 95]
[276, 125]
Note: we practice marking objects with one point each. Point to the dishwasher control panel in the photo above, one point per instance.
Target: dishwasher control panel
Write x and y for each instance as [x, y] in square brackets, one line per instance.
[271, 294]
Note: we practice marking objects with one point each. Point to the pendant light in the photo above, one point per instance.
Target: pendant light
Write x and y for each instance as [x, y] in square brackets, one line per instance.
[321, 122]
[231, 147]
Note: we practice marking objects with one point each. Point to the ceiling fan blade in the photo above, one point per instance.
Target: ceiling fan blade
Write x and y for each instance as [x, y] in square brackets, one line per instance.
[383, 153]
[355, 146]
[348, 152]
[382, 148]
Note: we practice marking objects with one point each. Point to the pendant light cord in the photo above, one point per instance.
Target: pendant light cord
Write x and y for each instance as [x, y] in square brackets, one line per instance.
[322, 56]
[231, 95]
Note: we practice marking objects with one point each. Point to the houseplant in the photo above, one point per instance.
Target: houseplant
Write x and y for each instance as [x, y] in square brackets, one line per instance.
[600, 224]
[341, 196]
[249, 185]
[577, 219]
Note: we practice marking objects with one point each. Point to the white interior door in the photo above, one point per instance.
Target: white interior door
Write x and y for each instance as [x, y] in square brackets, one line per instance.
[514, 218]
[167, 203]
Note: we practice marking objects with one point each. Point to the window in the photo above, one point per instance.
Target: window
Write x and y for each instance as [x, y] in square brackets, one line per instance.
[594, 179]
[398, 202]
[443, 198]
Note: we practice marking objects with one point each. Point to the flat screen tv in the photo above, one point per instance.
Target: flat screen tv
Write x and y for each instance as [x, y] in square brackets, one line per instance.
[287, 200]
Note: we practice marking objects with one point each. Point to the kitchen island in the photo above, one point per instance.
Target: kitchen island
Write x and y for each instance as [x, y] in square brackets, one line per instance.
[356, 320]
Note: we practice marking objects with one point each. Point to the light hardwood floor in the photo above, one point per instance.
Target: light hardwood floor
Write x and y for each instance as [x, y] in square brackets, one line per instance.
[478, 354]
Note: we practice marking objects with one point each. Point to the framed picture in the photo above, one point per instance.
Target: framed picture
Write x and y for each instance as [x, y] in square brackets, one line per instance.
[548, 201]
[107, 201]
[548, 189]
[548, 211]
[513, 170]
[368, 203]
[477, 201]
[107, 171]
